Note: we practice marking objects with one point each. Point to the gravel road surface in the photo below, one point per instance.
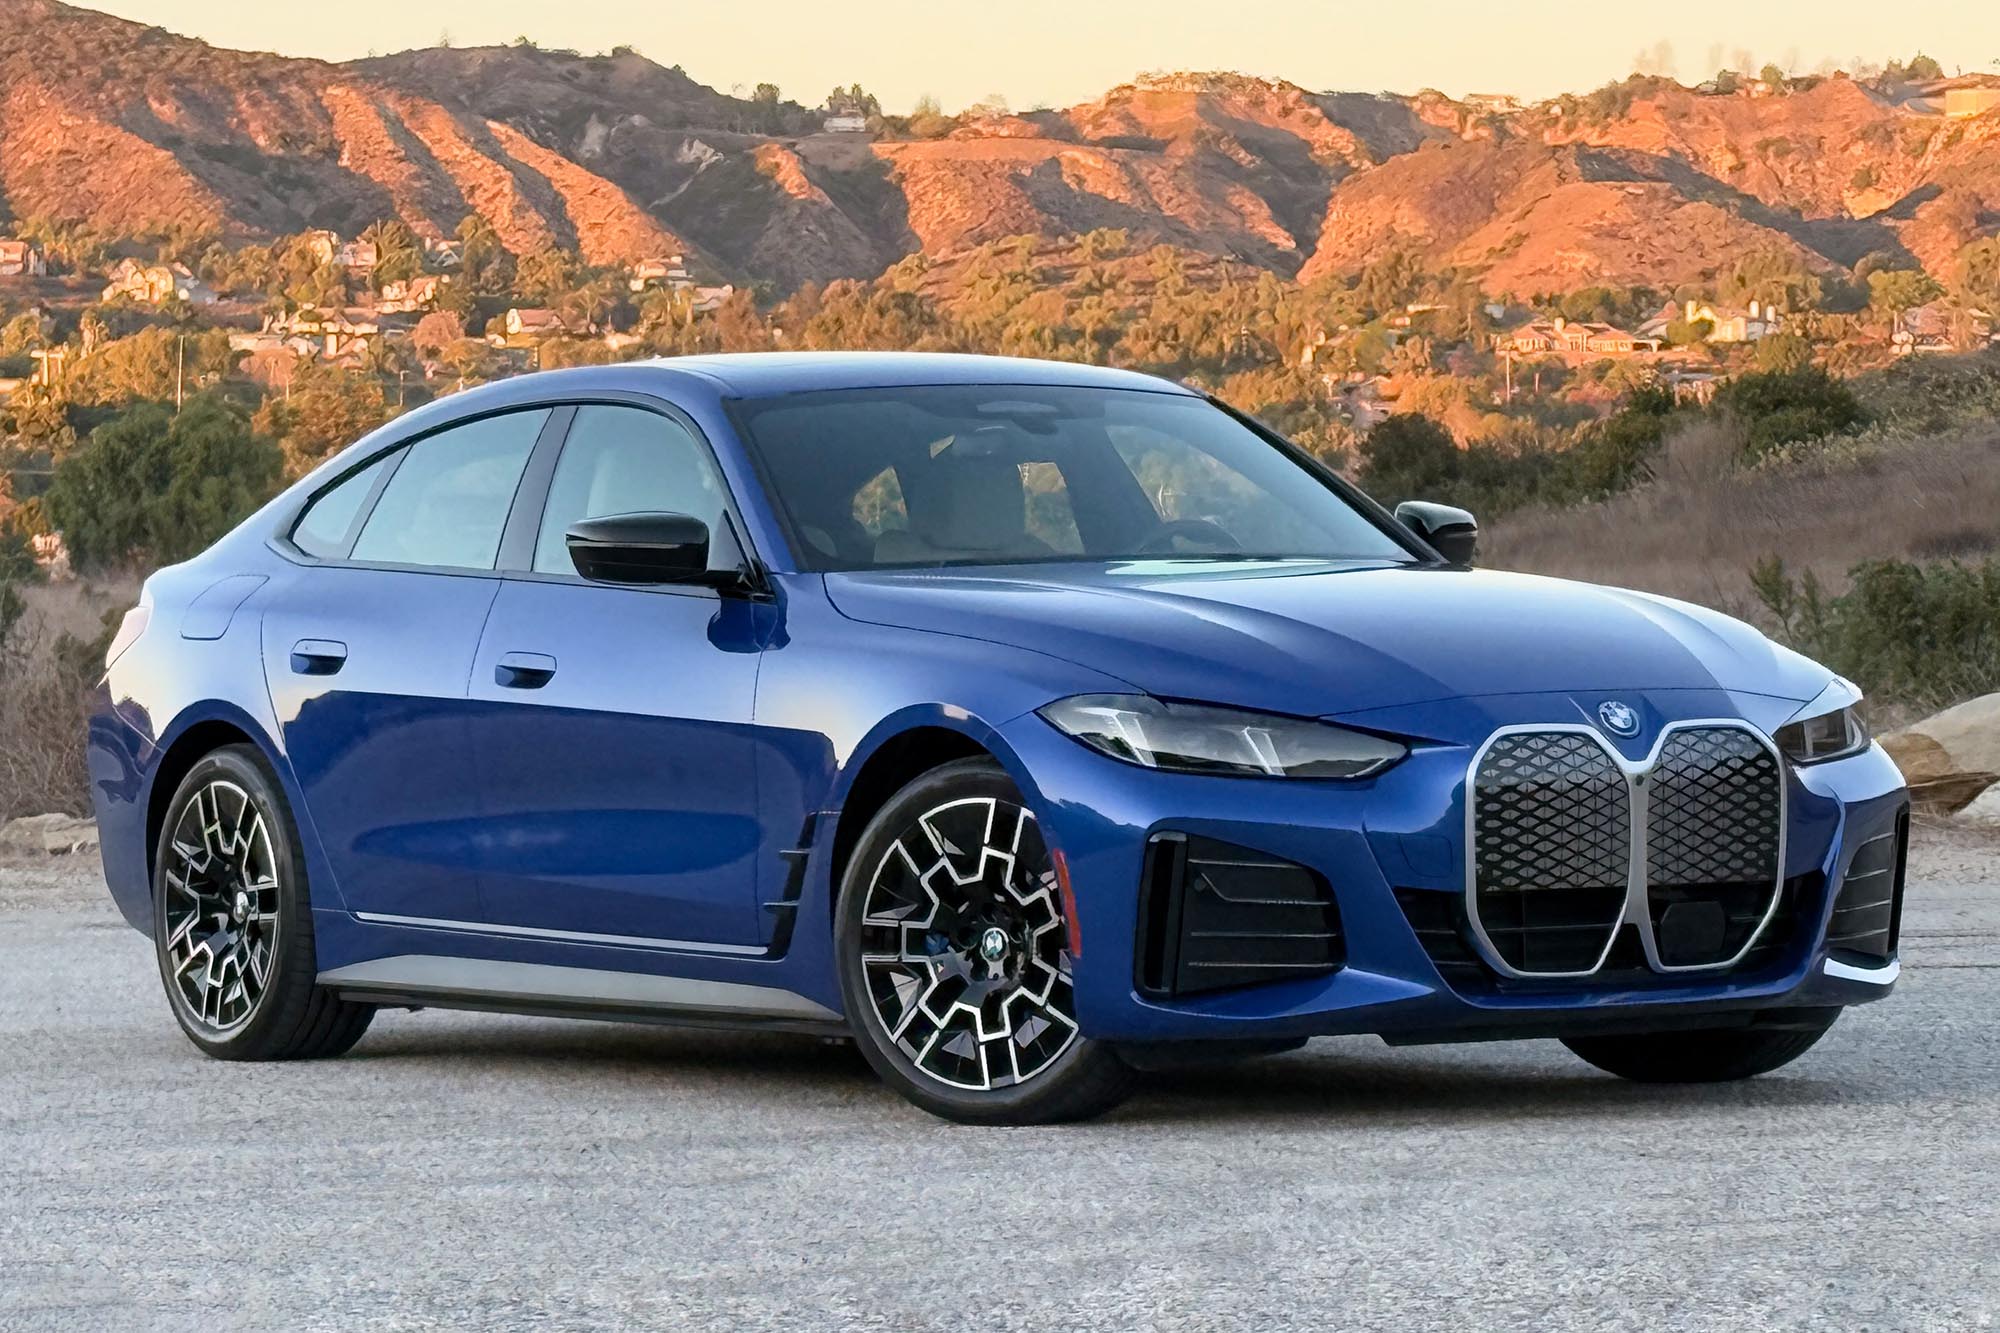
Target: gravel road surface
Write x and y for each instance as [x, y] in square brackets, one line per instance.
[470, 1171]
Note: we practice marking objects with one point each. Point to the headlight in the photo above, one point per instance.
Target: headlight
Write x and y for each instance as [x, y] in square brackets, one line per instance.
[1814, 740]
[1192, 738]
[1827, 728]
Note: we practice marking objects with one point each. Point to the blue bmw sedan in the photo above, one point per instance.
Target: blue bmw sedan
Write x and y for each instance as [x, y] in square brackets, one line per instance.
[1035, 725]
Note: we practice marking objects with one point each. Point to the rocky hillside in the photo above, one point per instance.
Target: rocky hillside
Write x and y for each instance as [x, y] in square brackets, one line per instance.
[136, 131]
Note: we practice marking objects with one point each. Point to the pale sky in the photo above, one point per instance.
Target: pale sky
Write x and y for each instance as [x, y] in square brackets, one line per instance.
[1056, 52]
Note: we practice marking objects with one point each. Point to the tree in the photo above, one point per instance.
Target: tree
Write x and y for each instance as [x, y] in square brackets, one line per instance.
[1783, 353]
[1979, 275]
[1789, 407]
[399, 255]
[1895, 291]
[1773, 76]
[1409, 457]
[437, 331]
[326, 410]
[545, 276]
[155, 485]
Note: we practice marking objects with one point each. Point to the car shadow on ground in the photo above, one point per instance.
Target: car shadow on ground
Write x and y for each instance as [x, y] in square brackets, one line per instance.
[1325, 1081]
[1390, 1086]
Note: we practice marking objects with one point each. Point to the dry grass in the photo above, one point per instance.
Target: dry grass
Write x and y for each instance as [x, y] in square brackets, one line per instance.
[46, 667]
[1695, 532]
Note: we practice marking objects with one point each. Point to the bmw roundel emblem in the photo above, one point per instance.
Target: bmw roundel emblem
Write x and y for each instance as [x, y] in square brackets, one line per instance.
[1618, 719]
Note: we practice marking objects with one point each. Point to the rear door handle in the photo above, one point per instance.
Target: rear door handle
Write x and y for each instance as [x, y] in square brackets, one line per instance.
[524, 671]
[318, 657]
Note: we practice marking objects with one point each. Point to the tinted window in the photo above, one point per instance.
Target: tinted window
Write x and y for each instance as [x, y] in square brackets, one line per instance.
[328, 523]
[985, 474]
[621, 460]
[447, 504]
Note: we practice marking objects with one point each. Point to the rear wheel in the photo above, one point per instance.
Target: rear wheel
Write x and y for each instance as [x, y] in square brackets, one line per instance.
[232, 920]
[954, 962]
[1719, 1055]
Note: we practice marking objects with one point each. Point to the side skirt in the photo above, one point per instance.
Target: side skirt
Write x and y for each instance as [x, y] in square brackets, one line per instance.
[434, 981]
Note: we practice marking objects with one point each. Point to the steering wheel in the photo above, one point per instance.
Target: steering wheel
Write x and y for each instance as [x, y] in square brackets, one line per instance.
[1204, 535]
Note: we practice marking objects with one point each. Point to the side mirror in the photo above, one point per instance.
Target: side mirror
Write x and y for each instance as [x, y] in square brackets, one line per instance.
[640, 548]
[1452, 533]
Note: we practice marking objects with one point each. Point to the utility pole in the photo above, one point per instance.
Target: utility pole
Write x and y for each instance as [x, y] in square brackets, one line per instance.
[180, 366]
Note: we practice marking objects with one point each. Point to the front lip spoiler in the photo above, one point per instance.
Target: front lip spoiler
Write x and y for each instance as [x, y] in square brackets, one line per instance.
[1884, 975]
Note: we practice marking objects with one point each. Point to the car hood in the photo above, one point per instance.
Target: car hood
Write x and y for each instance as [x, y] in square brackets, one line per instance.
[1322, 640]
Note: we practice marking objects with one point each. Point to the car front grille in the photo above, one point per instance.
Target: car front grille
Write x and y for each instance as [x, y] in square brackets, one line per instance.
[1214, 915]
[1568, 845]
[1553, 850]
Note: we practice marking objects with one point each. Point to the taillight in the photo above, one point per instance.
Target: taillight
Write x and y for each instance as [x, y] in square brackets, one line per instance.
[129, 629]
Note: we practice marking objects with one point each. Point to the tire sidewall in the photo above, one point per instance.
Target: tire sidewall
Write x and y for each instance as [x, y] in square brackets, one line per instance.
[247, 769]
[1025, 1102]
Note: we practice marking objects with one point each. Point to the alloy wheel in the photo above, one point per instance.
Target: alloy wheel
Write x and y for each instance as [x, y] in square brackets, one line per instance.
[221, 907]
[964, 947]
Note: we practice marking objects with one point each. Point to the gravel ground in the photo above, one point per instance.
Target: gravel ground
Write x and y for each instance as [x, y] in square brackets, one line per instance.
[471, 1171]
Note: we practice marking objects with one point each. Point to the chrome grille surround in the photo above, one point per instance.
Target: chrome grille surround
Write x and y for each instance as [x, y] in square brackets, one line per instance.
[1515, 783]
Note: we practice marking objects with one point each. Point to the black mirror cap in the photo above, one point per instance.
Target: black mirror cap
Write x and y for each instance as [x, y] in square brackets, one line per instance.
[1452, 533]
[640, 548]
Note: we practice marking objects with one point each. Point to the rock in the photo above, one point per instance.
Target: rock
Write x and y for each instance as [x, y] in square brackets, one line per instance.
[48, 835]
[1952, 757]
[1983, 813]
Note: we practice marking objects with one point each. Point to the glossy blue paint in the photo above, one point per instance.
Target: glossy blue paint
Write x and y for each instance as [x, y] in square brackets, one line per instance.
[535, 753]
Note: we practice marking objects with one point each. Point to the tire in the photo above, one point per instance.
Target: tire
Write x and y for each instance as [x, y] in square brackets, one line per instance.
[1718, 1055]
[232, 920]
[949, 907]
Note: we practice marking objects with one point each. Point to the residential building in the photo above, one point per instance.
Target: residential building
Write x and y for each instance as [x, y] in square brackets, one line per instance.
[1727, 323]
[1587, 338]
[358, 256]
[1941, 327]
[707, 300]
[330, 333]
[444, 251]
[22, 259]
[156, 284]
[323, 244]
[667, 271]
[1495, 104]
[418, 293]
[532, 322]
[845, 122]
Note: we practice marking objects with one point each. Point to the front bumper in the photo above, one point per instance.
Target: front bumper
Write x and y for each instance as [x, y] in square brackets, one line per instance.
[1403, 831]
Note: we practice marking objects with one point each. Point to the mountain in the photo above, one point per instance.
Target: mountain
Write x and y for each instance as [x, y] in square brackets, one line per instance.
[137, 131]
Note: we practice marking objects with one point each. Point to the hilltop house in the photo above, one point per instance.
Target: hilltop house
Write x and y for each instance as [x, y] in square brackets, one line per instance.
[534, 322]
[22, 259]
[845, 122]
[1561, 337]
[444, 251]
[419, 293]
[1942, 327]
[358, 256]
[1495, 104]
[667, 271]
[331, 333]
[1727, 323]
[707, 300]
[156, 284]
[323, 245]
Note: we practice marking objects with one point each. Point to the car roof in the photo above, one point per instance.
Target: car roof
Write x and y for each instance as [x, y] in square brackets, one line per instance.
[765, 374]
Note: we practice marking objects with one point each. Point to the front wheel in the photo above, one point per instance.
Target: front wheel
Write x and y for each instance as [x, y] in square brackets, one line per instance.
[1720, 1055]
[232, 920]
[954, 962]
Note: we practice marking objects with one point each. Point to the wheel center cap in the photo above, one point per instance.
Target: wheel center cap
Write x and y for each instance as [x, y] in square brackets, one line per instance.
[240, 909]
[993, 944]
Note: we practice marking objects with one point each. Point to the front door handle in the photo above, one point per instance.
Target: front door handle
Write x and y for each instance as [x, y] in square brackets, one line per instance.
[524, 671]
[318, 657]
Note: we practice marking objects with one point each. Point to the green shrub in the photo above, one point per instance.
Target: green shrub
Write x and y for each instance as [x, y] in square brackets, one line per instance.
[1920, 634]
[1783, 407]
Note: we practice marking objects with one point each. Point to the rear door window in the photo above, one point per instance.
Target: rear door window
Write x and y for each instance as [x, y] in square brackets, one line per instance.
[447, 505]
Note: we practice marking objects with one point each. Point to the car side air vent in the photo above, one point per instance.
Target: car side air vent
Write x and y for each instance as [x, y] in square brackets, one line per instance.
[1868, 913]
[1213, 915]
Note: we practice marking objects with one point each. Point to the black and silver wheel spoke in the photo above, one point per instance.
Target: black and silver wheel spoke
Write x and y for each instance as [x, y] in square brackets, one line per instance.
[964, 947]
[222, 916]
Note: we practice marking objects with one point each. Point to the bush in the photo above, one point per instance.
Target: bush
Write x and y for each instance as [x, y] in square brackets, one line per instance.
[1926, 635]
[1410, 457]
[158, 485]
[1777, 408]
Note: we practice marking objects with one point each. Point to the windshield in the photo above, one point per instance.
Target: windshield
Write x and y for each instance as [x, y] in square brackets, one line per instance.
[1007, 474]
